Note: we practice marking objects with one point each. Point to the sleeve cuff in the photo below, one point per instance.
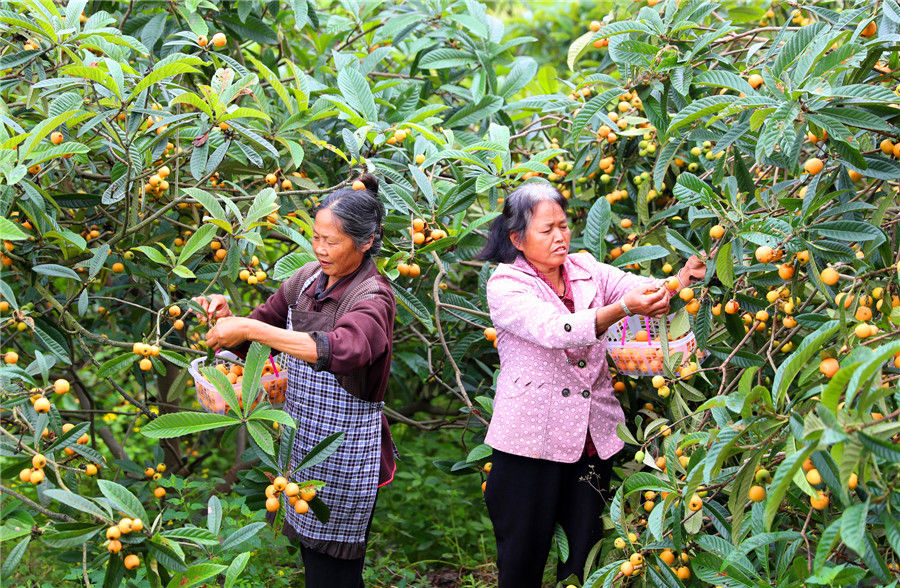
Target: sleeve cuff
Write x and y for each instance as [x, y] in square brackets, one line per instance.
[323, 351]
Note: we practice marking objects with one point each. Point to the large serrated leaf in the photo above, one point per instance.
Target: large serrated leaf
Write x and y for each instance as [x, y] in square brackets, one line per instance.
[121, 498]
[185, 423]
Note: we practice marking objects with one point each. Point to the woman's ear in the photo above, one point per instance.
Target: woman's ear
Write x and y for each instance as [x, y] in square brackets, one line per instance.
[368, 245]
[515, 239]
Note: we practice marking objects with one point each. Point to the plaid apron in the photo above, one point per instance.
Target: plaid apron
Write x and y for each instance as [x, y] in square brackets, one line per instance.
[320, 406]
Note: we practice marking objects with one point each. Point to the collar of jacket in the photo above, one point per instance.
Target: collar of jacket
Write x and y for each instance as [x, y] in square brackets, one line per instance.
[572, 264]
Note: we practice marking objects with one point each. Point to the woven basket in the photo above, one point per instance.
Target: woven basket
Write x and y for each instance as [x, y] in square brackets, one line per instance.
[273, 382]
[633, 343]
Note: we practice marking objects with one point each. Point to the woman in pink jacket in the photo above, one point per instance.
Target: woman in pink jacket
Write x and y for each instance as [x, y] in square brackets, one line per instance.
[553, 430]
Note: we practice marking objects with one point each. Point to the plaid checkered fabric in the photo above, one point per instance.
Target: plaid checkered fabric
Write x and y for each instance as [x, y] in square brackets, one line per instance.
[321, 407]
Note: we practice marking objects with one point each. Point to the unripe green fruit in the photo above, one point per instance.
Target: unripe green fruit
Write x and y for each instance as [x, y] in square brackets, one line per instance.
[605, 179]
[639, 457]
[128, 255]
[763, 476]
[696, 151]
[692, 166]
[651, 148]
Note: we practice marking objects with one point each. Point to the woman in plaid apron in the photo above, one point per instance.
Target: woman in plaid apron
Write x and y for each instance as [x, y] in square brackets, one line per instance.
[334, 319]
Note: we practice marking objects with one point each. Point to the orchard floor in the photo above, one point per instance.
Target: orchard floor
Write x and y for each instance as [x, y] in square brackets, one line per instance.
[430, 529]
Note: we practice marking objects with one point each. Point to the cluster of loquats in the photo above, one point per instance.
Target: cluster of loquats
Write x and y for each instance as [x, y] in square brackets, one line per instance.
[398, 136]
[157, 184]
[115, 532]
[299, 498]
[635, 564]
[486, 468]
[146, 351]
[155, 474]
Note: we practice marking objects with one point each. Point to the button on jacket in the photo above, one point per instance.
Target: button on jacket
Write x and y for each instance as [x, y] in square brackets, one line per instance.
[545, 399]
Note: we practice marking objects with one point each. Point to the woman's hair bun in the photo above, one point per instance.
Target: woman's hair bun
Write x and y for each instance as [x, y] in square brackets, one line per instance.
[371, 183]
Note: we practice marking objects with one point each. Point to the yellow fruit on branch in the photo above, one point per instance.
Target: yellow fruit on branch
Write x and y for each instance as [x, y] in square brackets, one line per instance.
[813, 166]
[830, 276]
[219, 40]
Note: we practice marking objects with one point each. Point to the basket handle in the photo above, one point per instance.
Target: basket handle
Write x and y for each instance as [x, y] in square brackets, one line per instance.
[273, 366]
[624, 329]
[647, 326]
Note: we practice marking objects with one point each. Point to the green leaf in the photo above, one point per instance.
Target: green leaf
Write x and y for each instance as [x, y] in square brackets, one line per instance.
[697, 110]
[13, 557]
[198, 240]
[562, 542]
[598, 219]
[259, 433]
[238, 564]
[474, 112]
[81, 503]
[640, 254]
[153, 253]
[356, 91]
[642, 481]
[214, 515]
[121, 498]
[274, 415]
[55, 271]
[784, 476]
[11, 230]
[593, 106]
[195, 574]
[195, 535]
[167, 556]
[166, 70]
[95, 74]
[846, 230]
[445, 57]
[413, 305]
[479, 452]
[725, 265]
[225, 388]
[795, 362]
[853, 526]
[185, 423]
[881, 448]
[241, 535]
[111, 366]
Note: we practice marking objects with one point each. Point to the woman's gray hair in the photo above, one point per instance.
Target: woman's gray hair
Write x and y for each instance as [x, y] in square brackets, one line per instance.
[359, 213]
[518, 210]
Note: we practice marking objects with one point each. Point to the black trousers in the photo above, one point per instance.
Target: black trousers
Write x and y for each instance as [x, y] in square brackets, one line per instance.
[325, 571]
[525, 499]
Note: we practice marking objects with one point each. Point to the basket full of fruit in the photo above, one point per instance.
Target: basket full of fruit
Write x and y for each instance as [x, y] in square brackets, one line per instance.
[635, 345]
[272, 382]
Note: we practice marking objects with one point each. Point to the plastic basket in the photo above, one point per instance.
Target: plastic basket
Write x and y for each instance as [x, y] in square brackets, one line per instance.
[273, 382]
[633, 343]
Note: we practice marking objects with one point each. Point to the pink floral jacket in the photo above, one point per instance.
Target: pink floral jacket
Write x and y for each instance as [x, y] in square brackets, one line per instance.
[547, 399]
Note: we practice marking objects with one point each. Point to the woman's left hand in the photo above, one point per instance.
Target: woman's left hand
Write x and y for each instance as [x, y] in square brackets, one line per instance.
[228, 332]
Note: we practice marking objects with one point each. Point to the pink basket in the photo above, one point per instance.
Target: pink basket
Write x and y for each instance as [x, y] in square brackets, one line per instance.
[273, 383]
[633, 343]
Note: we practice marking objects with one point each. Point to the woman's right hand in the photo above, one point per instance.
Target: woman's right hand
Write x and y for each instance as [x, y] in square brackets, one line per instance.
[647, 301]
[215, 305]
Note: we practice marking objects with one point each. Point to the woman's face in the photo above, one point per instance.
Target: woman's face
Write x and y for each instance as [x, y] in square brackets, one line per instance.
[546, 240]
[335, 249]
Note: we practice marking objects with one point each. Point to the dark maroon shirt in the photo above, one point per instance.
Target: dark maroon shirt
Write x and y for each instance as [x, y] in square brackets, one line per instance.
[361, 340]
